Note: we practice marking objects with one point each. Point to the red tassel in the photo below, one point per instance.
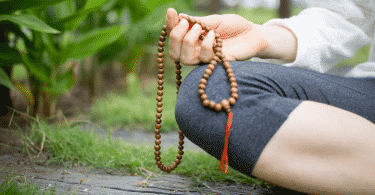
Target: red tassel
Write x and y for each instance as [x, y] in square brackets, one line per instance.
[224, 158]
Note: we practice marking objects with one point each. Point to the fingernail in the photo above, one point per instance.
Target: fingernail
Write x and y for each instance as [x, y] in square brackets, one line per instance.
[196, 26]
[184, 21]
[210, 33]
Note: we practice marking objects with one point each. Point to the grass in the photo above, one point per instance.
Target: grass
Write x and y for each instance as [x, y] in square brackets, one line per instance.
[69, 144]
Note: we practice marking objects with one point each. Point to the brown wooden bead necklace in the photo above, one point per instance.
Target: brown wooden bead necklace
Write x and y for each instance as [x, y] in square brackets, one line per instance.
[226, 103]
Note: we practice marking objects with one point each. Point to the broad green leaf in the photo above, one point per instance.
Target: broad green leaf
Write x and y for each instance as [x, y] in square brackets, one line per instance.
[94, 4]
[7, 7]
[40, 70]
[89, 43]
[30, 21]
[72, 22]
[5, 80]
[62, 84]
[9, 54]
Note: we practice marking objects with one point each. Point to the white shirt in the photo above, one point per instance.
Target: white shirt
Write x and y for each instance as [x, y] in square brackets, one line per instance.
[329, 31]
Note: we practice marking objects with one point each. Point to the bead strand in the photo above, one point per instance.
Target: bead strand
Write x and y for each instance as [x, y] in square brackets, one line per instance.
[226, 103]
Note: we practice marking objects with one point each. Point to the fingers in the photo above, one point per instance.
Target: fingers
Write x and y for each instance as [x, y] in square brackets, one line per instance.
[172, 19]
[176, 39]
[191, 49]
[207, 52]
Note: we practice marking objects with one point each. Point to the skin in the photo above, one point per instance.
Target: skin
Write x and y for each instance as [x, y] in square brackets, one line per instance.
[320, 149]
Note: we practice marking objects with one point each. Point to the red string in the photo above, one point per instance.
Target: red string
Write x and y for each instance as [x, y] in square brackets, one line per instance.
[224, 158]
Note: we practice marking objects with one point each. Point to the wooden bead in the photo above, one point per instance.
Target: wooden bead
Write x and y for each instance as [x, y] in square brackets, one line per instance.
[216, 59]
[206, 102]
[159, 98]
[208, 29]
[179, 156]
[161, 44]
[208, 71]
[161, 71]
[201, 37]
[178, 83]
[161, 65]
[160, 76]
[233, 90]
[211, 67]
[160, 82]
[213, 63]
[218, 44]
[159, 110]
[158, 121]
[233, 84]
[217, 35]
[157, 153]
[232, 79]
[232, 101]
[203, 81]
[181, 137]
[218, 49]
[159, 104]
[235, 95]
[160, 55]
[160, 87]
[158, 136]
[218, 107]
[206, 76]
[180, 132]
[225, 103]
[181, 152]
[160, 92]
[160, 60]
[179, 77]
[158, 115]
[218, 40]
[202, 86]
[173, 165]
[180, 147]
[157, 147]
[157, 158]
[204, 97]
[157, 131]
[160, 49]
[162, 38]
[200, 92]
[178, 71]
[158, 162]
[158, 126]
[226, 64]
[229, 70]
[219, 54]
[165, 28]
[230, 75]
[163, 33]
[181, 142]
[177, 161]
[212, 104]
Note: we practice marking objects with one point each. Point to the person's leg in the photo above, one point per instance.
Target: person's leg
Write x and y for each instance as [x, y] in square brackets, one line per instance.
[268, 94]
[321, 149]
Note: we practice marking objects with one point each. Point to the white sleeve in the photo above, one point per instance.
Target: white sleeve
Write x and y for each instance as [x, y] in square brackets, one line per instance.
[324, 38]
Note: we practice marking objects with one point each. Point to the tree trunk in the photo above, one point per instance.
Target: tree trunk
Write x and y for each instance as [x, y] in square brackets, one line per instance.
[284, 9]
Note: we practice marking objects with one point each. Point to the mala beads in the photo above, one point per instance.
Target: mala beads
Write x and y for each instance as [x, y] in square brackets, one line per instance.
[225, 104]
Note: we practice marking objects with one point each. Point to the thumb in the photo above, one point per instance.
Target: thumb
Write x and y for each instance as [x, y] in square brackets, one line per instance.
[172, 20]
[211, 21]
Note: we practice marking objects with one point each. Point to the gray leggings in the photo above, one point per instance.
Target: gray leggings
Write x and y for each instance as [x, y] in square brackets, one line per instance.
[268, 93]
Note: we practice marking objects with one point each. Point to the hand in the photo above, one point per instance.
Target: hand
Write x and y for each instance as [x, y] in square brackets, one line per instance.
[241, 40]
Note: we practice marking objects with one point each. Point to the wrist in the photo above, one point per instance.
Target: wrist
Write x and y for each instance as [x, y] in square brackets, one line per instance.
[282, 43]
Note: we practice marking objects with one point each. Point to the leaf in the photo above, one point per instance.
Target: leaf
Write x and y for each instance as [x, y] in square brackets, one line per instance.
[26, 93]
[30, 21]
[9, 54]
[7, 7]
[94, 4]
[63, 84]
[5, 80]
[40, 70]
[89, 43]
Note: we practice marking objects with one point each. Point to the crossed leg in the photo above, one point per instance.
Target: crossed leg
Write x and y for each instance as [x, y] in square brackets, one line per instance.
[321, 149]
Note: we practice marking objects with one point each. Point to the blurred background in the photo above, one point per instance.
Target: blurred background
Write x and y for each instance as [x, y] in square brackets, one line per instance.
[96, 59]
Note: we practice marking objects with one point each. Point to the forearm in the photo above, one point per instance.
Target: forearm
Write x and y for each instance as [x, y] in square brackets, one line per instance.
[282, 43]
